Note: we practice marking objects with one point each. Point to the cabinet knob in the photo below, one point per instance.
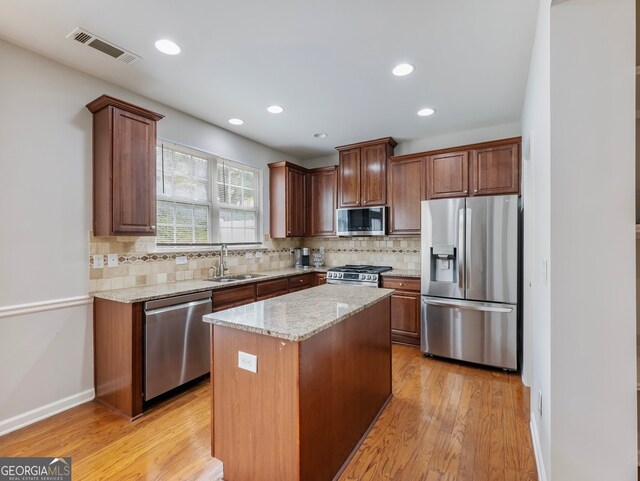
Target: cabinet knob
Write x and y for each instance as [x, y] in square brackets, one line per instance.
[401, 284]
[466, 191]
[475, 190]
[153, 226]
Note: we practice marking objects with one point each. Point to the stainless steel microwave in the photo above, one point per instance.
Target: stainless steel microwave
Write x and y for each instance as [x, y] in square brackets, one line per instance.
[361, 221]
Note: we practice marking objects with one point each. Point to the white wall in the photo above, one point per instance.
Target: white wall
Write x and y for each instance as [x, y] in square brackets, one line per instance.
[536, 119]
[593, 338]
[45, 175]
[443, 141]
[579, 119]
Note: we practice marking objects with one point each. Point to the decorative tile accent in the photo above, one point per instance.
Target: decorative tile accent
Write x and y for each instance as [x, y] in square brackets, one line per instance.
[140, 265]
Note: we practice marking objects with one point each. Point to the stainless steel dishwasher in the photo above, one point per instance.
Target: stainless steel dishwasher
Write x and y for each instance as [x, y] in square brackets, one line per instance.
[176, 342]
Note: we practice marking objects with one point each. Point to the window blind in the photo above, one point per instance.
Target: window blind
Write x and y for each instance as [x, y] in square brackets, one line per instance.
[203, 199]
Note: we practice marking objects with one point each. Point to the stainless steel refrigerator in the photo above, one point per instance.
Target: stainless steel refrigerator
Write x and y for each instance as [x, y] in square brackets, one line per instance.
[469, 305]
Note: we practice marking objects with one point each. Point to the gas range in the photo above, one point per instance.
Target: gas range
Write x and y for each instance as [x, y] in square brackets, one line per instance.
[366, 276]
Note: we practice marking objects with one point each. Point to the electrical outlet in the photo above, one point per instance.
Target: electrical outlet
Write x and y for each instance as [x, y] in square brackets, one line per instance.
[98, 261]
[181, 260]
[248, 255]
[248, 362]
[321, 250]
[259, 255]
[540, 403]
[112, 260]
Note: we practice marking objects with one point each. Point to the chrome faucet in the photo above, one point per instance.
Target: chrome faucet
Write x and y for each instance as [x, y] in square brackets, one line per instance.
[224, 252]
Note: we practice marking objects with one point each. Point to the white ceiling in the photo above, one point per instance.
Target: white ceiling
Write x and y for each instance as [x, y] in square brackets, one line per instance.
[327, 63]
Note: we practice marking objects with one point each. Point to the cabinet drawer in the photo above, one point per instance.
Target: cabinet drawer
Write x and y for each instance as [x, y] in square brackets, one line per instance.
[304, 281]
[321, 278]
[234, 296]
[401, 283]
[271, 287]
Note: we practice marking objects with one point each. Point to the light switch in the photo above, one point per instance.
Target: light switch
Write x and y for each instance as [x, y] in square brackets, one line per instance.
[98, 261]
[248, 362]
[112, 260]
[248, 255]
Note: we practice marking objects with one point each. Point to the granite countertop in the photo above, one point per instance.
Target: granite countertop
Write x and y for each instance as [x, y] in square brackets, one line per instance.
[159, 291]
[299, 315]
[402, 273]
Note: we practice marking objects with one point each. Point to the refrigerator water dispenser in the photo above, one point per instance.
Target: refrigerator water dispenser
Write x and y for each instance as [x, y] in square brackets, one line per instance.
[444, 267]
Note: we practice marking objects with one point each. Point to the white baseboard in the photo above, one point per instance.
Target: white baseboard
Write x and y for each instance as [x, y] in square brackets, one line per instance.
[40, 413]
[537, 450]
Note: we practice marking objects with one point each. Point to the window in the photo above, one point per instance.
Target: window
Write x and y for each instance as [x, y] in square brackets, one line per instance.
[203, 199]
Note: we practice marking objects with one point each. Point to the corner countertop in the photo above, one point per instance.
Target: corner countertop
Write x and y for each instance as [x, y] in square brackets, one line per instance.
[160, 291]
[299, 315]
[402, 273]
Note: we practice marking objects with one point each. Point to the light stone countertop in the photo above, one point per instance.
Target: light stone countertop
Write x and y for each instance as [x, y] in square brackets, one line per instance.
[160, 291]
[402, 273]
[299, 315]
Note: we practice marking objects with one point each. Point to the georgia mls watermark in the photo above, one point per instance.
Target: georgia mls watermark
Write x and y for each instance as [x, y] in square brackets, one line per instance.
[35, 469]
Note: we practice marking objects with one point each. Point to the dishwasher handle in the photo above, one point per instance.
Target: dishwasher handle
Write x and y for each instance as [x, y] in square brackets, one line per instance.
[188, 305]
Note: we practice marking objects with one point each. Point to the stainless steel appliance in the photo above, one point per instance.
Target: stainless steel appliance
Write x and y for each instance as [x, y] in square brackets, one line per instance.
[366, 276]
[297, 257]
[306, 252]
[176, 342]
[361, 221]
[469, 305]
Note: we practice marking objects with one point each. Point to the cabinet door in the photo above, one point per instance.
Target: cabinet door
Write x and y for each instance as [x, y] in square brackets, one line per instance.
[373, 169]
[296, 200]
[405, 317]
[405, 194]
[495, 170]
[349, 178]
[323, 198]
[134, 174]
[447, 175]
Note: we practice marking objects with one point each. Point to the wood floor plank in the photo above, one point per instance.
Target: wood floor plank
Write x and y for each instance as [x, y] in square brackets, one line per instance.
[445, 422]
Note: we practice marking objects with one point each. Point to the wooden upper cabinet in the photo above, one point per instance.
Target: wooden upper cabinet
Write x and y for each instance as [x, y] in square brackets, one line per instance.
[489, 168]
[373, 168]
[124, 168]
[323, 199]
[350, 178]
[406, 191]
[287, 200]
[447, 175]
[495, 170]
[363, 173]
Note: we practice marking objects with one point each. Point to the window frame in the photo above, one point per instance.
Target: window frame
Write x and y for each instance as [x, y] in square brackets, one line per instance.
[213, 205]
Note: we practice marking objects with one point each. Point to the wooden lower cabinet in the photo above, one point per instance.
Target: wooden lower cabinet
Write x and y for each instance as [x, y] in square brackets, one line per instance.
[233, 297]
[302, 281]
[321, 278]
[269, 289]
[405, 309]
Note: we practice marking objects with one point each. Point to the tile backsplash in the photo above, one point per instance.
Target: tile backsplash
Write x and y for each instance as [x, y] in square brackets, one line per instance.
[140, 263]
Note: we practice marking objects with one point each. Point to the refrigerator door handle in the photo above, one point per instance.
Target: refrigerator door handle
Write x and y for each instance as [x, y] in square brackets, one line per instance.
[467, 254]
[461, 249]
[470, 307]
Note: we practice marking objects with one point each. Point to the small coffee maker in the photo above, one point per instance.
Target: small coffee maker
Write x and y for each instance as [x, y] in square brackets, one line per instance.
[305, 257]
[297, 258]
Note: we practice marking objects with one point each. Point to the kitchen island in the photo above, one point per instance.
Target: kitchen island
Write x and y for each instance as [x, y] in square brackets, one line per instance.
[320, 376]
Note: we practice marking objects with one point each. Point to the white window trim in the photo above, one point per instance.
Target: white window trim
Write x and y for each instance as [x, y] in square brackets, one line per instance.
[259, 245]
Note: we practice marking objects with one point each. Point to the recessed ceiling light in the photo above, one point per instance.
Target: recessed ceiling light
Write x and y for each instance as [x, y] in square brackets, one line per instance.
[426, 112]
[168, 47]
[402, 69]
[236, 121]
[320, 135]
[275, 109]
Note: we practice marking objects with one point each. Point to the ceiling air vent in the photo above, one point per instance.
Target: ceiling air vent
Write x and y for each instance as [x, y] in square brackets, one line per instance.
[87, 38]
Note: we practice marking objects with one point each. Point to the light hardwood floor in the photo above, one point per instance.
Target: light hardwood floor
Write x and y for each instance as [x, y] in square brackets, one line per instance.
[445, 422]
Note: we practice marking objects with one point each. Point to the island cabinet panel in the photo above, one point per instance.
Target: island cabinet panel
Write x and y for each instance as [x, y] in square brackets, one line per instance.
[345, 380]
[117, 350]
[233, 297]
[323, 199]
[304, 411]
[406, 191]
[255, 415]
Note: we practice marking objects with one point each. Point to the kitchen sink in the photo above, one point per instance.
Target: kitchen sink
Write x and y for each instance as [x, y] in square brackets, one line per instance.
[235, 278]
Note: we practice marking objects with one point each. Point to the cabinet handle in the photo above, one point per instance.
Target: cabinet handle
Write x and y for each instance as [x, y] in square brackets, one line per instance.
[401, 284]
